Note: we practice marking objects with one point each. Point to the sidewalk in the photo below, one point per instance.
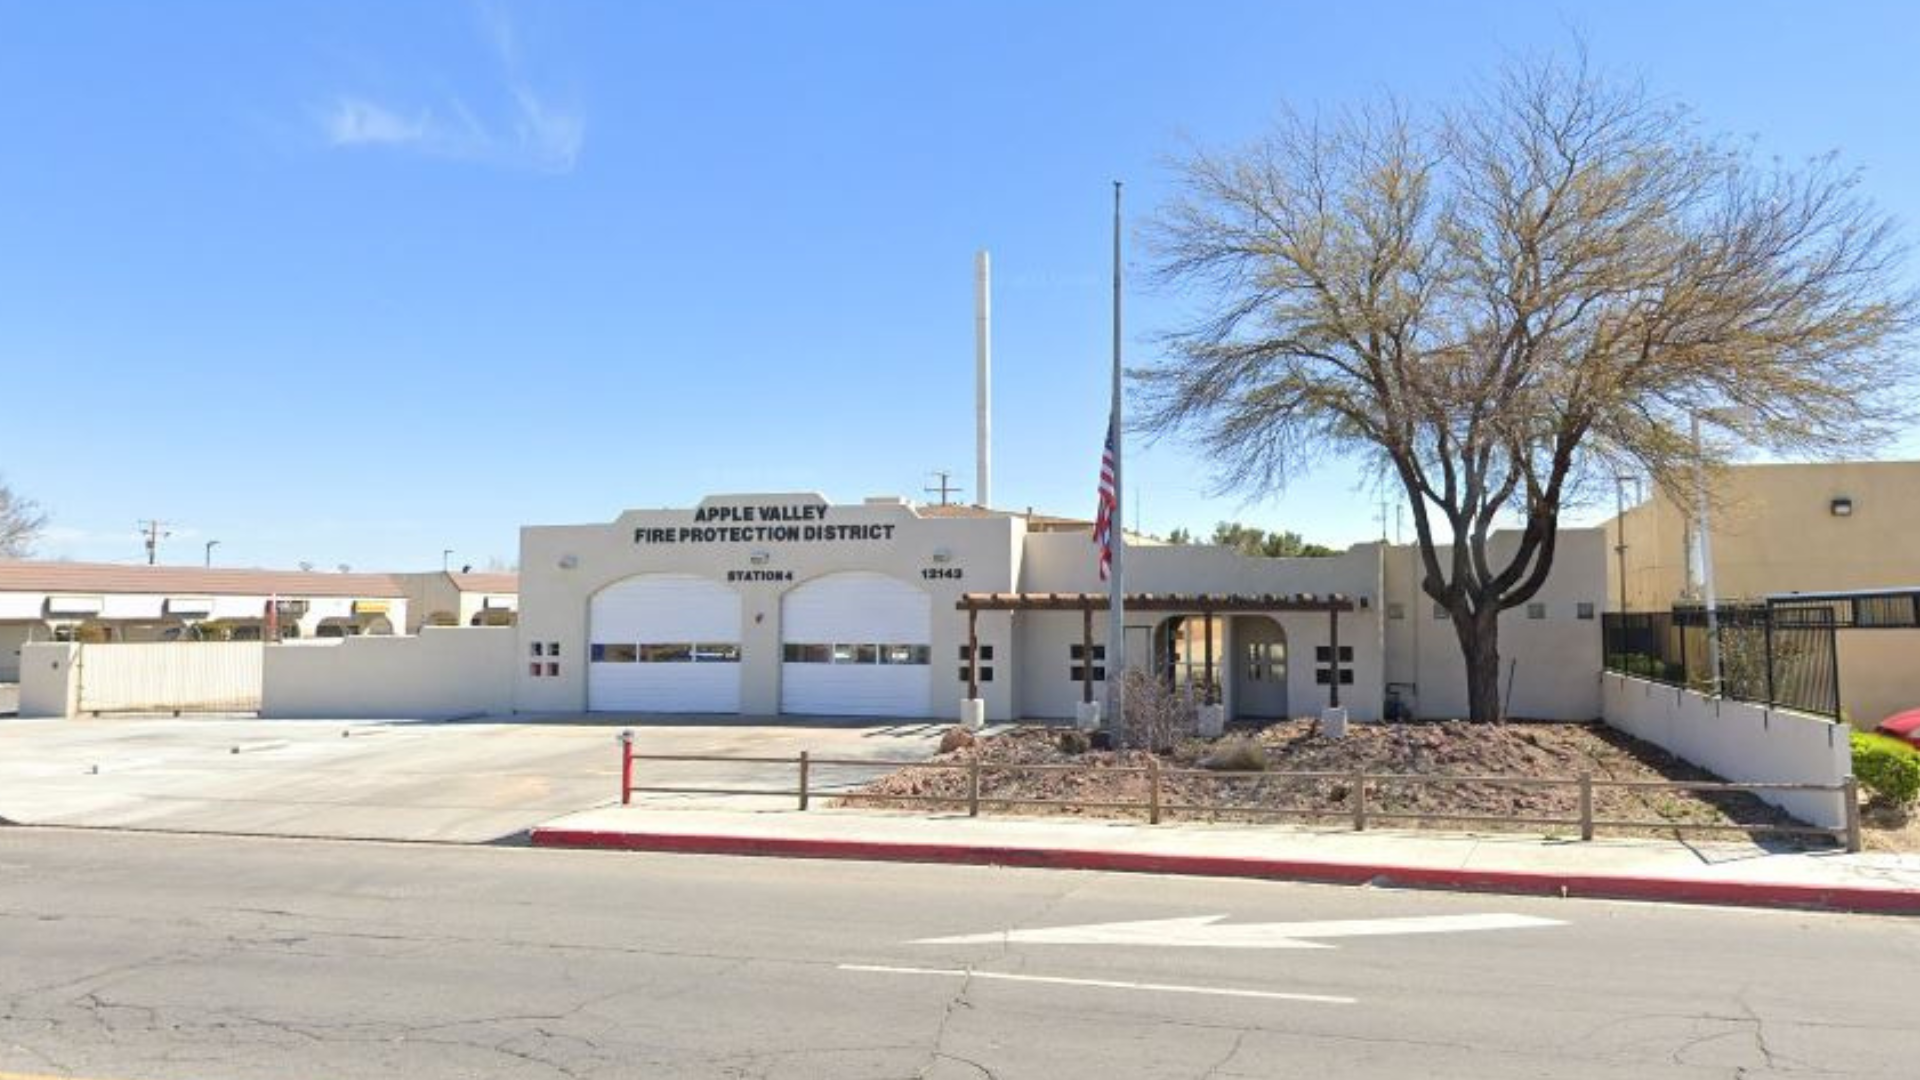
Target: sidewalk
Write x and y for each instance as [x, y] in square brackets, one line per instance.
[1715, 873]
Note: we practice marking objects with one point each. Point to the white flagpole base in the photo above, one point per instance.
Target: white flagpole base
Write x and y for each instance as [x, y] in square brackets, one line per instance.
[1086, 715]
[1333, 722]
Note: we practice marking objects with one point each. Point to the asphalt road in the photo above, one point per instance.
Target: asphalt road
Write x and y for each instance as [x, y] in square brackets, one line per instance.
[152, 957]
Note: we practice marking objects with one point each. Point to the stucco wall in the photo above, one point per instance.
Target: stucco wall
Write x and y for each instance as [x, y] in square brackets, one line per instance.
[12, 636]
[443, 672]
[49, 682]
[1738, 741]
[1552, 663]
[1879, 673]
[561, 567]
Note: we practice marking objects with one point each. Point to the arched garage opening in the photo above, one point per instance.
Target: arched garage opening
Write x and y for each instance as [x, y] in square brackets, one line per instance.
[856, 644]
[664, 643]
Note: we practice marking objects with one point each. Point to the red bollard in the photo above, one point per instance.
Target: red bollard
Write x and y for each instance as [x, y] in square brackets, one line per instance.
[626, 768]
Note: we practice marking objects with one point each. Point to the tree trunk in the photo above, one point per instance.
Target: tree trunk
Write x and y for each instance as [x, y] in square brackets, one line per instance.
[1480, 646]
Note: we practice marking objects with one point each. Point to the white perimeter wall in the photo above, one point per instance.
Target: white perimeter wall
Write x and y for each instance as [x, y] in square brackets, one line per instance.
[443, 672]
[48, 682]
[1738, 741]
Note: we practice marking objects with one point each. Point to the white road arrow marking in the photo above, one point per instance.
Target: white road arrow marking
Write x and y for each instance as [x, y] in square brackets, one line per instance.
[1202, 932]
[1100, 984]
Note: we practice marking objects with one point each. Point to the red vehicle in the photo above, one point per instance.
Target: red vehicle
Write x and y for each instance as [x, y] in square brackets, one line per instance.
[1904, 726]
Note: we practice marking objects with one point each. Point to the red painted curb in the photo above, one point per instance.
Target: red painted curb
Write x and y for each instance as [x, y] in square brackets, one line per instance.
[1602, 886]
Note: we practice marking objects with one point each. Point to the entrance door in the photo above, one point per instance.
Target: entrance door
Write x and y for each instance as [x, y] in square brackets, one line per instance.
[1259, 668]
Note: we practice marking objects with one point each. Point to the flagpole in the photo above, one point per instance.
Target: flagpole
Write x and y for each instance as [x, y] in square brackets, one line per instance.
[1116, 590]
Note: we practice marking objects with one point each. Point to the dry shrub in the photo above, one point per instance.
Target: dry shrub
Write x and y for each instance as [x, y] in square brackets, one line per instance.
[1157, 715]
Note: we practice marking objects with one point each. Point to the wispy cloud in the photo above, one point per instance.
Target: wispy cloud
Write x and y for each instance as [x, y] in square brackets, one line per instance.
[356, 121]
[529, 130]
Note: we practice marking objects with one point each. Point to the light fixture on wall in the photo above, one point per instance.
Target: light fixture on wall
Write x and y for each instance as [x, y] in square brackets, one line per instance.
[760, 558]
[1841, 507]
[568, 562]
[942, 555]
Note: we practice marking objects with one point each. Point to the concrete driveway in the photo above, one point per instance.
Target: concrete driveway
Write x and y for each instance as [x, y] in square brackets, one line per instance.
[455, 782]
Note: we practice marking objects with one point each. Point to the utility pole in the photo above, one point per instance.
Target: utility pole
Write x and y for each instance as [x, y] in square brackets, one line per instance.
[156, 531]
[445, 554]
[944, 490]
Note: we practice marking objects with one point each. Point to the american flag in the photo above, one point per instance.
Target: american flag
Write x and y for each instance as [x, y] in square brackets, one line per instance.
[1103, 523]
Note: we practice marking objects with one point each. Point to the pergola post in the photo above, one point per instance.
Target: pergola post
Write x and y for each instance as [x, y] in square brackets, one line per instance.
[1086, 654]
[1333, 652]
[1206, 622]
[973, 652]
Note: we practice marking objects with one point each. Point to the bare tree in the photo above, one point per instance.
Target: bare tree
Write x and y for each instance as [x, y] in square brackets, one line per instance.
[20, 524]
[1497, 301]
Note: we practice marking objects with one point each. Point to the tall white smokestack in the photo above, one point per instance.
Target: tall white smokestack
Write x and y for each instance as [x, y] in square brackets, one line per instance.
[982, 380]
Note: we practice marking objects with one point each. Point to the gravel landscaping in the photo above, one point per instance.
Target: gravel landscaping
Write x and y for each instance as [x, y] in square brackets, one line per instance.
[1521, 749]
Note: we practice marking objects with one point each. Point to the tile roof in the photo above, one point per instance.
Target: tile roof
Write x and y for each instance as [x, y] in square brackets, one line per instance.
[487, 583]
[18, 575]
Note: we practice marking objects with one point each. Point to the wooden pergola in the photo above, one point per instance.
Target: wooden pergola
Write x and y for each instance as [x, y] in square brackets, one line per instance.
[1206, 605]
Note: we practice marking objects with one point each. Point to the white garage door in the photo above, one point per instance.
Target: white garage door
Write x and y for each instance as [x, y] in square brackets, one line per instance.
[855, 644]
[664, 643]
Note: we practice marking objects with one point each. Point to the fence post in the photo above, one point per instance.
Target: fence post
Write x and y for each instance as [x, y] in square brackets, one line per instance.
[1586, 806]
[805, 765]
[1850, 792]
[626, 767]
[1153, 791]
[1359, 789]
[973, 786]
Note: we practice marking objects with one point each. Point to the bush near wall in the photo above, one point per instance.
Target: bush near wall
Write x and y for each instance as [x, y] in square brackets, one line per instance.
[1888, 768]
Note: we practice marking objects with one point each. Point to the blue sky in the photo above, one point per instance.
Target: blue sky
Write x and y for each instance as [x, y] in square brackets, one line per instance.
[353, 282]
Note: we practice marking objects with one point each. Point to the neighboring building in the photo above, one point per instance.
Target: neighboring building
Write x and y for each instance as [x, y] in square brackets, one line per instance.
[460, 598]
[770, 604]
[1776, 529]
[48, 601]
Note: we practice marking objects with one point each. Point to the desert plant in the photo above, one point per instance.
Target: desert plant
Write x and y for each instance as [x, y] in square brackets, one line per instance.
[1241, 754]
[1074, 742]
[1888, 768]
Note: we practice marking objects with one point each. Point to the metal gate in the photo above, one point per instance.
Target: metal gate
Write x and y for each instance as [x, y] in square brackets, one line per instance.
[170, 676]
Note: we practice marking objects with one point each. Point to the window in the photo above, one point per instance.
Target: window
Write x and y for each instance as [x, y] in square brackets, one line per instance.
[553, 668]
[1396, 611]
[1536, 610]
[1078, 673]
[613, 654]
[533, 669]
[986, 653]
[1099, 652]
[716, 653]
[1324, 654]
[986, 673]
[537, 648]
[906, 654]
[1583, 610]
[796, 653]
[1324, 676]
[553, 648]
[862, 654]
[668, 653]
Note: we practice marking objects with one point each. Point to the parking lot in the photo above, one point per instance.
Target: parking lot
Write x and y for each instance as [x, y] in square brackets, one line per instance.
[453, 782]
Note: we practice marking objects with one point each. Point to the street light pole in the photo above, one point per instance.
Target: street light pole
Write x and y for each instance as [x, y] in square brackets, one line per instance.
[445, 554]
[211, 544]
[1620, 482]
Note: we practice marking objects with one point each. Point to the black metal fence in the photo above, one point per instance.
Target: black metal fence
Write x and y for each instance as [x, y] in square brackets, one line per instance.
[1768, 654]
